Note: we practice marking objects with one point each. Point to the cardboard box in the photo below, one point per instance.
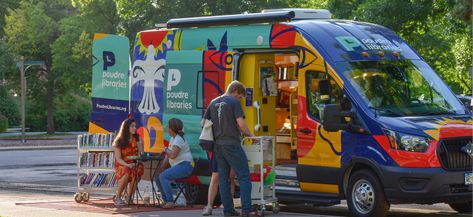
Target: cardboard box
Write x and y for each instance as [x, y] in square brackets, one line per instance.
[283, 151]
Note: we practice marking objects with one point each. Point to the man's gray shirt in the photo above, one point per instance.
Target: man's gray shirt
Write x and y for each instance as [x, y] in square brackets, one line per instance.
[223, 112]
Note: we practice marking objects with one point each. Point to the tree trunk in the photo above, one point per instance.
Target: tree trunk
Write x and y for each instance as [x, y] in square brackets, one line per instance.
[50, 99]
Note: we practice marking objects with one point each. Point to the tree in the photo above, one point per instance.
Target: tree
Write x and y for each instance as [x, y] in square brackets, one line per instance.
[436, 29]
[4, 7]
[30, 30]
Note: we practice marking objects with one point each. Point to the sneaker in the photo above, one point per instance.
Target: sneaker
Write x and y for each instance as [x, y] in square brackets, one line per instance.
[207, 211]
[232, 213]
[118, 202]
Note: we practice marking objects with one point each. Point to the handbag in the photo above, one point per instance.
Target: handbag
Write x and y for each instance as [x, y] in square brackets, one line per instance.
[206, 139]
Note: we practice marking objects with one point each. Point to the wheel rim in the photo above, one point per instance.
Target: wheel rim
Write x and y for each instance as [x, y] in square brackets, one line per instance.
[363, 196]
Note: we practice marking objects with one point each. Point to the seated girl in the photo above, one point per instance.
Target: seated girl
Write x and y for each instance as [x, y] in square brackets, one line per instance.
[180, 158]
[127, 143]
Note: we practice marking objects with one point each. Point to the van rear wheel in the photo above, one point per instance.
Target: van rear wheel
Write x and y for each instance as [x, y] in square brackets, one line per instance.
[366, 196]
[198, 194]
[464, 207]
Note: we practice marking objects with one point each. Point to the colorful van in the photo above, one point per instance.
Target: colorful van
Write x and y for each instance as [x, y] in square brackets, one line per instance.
[357, 114]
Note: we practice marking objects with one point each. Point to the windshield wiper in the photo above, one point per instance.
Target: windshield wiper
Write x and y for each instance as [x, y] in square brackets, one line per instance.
[377, 110]
[441, 112]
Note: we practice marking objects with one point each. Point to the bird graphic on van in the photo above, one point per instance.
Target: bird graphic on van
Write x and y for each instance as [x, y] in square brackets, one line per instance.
[148, 71]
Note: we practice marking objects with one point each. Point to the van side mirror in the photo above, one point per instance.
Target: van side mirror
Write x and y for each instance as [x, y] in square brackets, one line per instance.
[334, 120]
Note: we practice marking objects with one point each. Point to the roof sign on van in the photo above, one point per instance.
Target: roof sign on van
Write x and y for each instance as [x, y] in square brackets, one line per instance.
[349, 43]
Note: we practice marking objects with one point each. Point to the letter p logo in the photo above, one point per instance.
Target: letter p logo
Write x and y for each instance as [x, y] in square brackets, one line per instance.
[108, 59]
[349, 42]
[174, 77]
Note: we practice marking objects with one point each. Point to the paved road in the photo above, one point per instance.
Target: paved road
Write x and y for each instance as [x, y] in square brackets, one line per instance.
[43, 167]
[55, 170]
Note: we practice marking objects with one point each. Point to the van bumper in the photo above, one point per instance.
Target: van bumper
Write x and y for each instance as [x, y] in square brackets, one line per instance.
[425, 185]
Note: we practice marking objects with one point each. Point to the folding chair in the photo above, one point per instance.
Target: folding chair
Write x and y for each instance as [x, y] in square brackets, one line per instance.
[181, 185]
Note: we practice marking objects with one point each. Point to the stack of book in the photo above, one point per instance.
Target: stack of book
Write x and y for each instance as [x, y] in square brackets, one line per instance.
[98, 180]
[97, 159]
[102, 141]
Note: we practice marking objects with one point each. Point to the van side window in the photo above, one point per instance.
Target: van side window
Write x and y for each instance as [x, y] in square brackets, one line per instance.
[315, 100]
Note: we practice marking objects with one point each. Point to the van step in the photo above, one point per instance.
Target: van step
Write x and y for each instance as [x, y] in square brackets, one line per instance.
[306, 197]
[288, 170]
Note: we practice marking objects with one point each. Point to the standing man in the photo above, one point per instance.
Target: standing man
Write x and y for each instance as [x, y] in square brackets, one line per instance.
[228, 126]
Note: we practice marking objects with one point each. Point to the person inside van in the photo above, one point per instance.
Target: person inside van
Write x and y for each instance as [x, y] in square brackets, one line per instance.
[127, 143]
[180, 159]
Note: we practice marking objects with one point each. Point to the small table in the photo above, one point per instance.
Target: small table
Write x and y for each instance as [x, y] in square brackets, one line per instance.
[144, 158]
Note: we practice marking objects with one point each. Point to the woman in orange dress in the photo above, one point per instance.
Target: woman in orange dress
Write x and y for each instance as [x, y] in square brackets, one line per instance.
[127, 143]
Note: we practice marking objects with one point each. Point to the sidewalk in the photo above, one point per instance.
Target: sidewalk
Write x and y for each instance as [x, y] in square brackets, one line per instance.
[8, 208]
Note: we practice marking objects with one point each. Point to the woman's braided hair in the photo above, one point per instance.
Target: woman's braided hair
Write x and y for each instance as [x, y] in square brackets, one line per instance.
[176, 126]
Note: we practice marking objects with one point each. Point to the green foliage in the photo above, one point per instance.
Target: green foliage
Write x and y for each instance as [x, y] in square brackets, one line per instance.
[439, 30]
[143, 14]
[30, 30]
[8, 71]
[73, 113]
[343, 9]
[463, 53]
[3, 123]
[9, 107]
[60, 32]
[35, 114]
[4, 7]
[71, 55]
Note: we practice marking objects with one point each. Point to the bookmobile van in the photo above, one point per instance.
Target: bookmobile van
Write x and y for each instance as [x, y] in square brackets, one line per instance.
[357, 114]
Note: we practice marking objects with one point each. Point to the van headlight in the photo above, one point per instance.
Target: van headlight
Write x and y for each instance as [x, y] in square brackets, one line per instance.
[406, 142]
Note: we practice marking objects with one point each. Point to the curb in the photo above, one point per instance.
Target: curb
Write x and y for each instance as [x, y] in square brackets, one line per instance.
[27, 187]
[29, 148]
[35, 139]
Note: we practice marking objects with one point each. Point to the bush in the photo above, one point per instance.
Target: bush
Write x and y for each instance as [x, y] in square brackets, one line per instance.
[3, 123]
[9, 108]
[72, 114]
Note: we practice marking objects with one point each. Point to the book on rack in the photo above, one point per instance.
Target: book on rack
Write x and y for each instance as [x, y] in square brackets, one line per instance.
[99, 141]
[98, 180]
[97, 159]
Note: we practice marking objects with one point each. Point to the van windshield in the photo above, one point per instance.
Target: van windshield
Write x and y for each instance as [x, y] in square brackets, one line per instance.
[401, 88]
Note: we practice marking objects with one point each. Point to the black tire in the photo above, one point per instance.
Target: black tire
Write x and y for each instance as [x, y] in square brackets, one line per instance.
[198, 194]
[370, 194]
[464, 207]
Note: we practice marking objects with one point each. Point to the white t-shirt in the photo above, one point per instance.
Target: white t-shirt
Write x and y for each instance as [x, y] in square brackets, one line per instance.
[185, 153]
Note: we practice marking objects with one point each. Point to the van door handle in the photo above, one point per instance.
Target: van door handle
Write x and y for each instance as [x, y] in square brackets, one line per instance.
[305, 131]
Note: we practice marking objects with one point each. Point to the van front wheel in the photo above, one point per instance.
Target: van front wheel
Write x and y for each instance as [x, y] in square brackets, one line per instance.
[365, 195]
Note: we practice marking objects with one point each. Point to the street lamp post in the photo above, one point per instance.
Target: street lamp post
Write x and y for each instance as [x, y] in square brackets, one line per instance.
[21, 64]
